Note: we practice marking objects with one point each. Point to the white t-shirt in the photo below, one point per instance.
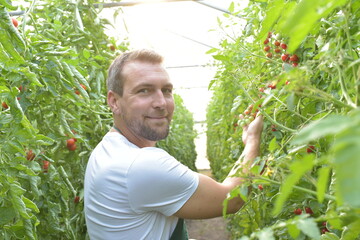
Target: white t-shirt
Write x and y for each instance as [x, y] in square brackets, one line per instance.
[132, 193]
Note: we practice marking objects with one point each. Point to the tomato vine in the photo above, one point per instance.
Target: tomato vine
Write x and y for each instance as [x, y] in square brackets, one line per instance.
[300, 67]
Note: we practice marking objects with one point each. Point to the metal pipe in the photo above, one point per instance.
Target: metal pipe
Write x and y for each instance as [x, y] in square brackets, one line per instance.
[217, 8]
[132, 3]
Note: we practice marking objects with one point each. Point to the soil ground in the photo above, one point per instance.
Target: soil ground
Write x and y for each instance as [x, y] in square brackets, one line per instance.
[207, 229]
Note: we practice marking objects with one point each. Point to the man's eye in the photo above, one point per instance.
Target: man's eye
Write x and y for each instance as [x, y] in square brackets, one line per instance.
[144, 90]
[167, 90]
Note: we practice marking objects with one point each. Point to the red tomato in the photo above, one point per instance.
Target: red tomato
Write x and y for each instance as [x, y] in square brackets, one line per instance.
[112, 47]
[277, 50]
[15, 22]
[272, 86]
[309, 210]
[30, 155]
[46, 165]
[324, 230]
[77, 199]
[283, 46]
[70, 142]
[4, 105]
[298, 211]
[72, 147]
[294, 58]
[310, 149]
[285, 57]
[266, 48]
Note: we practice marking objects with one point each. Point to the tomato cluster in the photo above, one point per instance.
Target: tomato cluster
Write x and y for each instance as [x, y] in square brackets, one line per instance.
[248, 115]
[71, 144]
[275, 46]
[78, 92]
[308, 210]
[276, 51]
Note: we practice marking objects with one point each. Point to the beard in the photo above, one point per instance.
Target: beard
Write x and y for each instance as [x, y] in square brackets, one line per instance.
[143, 130]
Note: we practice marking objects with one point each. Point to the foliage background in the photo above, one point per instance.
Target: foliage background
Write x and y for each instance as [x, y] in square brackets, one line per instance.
[52, 88]
[311, 134]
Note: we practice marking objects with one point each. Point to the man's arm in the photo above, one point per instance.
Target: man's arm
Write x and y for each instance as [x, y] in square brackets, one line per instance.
[207, 201]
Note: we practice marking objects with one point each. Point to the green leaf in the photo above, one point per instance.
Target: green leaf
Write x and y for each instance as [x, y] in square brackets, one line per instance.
[220, 57]
[43, 140]
[212, 50]
[298, 169]
[273, 145]
[265, 234]
[16, 111]
[347, 168]
[236, 103]
[30, 204]
[318, 129]
[352, 231]
[309, 227]
[322, 183]
[86, 53]
[64, 123]
[303, 18]
[329, 236]
[8, 5]
[7, 214]
[273, 12]
[32, 77]
[27, 125]
[16, 192]
[15, 147]
[4, 89]
[231, 7]
[80, 77]
[24, 169]
[290, 101]
[293, 230]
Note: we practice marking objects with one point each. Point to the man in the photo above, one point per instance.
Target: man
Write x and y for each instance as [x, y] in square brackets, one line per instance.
[134, 190]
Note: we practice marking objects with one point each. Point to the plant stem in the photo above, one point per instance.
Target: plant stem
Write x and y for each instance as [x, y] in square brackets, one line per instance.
[267, 115]
[325, 95]
[356, 84]
[327, 196]
[344, 90]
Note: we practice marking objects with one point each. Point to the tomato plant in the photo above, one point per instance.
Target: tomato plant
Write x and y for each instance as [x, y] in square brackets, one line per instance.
[309, 95]
[53, 94]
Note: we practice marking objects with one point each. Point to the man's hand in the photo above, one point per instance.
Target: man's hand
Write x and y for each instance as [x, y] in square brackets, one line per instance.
[207, 201]
[253, 130]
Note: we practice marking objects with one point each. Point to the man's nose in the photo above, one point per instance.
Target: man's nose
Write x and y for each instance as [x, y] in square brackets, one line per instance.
[159, 100]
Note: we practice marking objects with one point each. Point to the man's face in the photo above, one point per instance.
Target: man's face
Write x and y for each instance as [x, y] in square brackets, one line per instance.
[147, 104]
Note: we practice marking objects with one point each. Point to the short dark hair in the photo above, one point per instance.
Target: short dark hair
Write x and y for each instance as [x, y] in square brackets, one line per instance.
[115, 79]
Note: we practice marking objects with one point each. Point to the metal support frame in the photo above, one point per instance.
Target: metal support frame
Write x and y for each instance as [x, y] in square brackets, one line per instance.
[132, 3]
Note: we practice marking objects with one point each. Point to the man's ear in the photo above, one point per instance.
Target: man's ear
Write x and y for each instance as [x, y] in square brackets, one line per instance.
[113, 102]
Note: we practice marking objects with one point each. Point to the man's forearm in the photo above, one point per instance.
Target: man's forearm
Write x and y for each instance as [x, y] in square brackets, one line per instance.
[250, 152]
